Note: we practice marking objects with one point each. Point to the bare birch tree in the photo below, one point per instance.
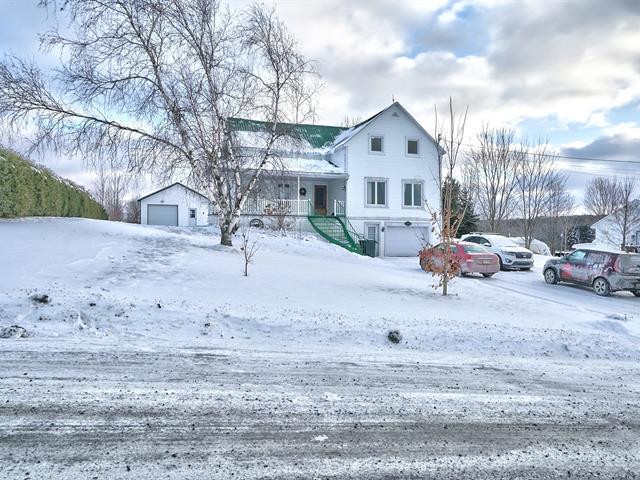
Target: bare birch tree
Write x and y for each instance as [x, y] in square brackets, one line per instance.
[602, 196]
[626, 217]
[154, 83]
[109, 189]
[562, 207]
[535, 176]
[350, 120]
[490, 173]
[132, 211]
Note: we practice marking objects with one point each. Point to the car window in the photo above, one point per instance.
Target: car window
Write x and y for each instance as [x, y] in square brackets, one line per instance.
[471, 239]
[484, 241]
[630, 263]
[474, 249]
[596, 258]
[577, 257]
[454, 248]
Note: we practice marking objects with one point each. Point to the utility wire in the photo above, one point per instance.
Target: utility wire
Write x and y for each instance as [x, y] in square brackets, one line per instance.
[568, 157]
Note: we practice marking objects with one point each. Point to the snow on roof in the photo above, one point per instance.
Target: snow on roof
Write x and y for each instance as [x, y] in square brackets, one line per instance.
[304, 165]
[306, 137]
[600, 247]
[347, 135]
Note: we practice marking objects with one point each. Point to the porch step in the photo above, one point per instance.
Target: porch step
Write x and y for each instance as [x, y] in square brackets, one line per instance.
[338, 231]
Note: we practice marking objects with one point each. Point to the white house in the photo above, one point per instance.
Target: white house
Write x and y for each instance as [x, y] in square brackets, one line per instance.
[609, 229]
[378, 180]
[175, 205]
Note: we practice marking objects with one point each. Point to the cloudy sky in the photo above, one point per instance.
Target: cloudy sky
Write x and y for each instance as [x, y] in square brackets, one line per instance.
[568, 71]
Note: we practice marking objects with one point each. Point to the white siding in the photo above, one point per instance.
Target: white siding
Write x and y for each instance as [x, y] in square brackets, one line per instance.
[184, 198]
[609, 233]
[395, 166]
[339, 156]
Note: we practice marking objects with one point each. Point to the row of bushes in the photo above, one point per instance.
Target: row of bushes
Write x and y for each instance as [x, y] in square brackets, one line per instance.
[29, 190]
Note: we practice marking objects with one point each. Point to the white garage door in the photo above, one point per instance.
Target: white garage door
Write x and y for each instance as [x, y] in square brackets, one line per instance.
[162, 215]
[402, 241]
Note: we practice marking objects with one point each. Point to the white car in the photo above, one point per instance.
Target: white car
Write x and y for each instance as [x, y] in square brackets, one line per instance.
[536, 246]
[512, 257]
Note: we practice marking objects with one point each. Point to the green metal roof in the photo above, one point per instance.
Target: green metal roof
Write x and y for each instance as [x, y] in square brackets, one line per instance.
[318, 136]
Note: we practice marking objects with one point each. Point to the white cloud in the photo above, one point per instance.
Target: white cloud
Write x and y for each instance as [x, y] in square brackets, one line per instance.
[566, 63]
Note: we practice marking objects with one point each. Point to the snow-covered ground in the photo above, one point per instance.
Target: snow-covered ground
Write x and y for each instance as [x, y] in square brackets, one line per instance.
[156, 358]
[132, 285]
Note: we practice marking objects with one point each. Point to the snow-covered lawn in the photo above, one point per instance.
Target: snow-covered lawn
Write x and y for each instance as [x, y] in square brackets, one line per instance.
[149, 287]
[155, 358]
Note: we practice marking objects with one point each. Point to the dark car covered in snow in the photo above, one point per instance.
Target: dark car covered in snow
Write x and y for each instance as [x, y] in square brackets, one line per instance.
[602, 269]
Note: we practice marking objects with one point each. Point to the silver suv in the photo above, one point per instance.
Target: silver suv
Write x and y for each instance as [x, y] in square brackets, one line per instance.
[512, 257]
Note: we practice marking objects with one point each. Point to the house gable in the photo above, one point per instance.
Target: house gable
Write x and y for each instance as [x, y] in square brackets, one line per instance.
[346, 136]
[178, 184]
[395, 170]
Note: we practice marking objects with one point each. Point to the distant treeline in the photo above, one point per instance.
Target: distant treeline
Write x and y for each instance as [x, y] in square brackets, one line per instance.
[28, 190]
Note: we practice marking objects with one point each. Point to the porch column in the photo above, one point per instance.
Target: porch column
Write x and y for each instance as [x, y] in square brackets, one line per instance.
[298, 202]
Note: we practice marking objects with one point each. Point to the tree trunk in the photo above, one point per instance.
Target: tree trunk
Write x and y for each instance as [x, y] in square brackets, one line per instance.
[229, 224]
[226, 237]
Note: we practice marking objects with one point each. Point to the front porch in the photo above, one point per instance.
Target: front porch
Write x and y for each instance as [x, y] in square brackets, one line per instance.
[298, 197]
[319, 206]
[297, 208]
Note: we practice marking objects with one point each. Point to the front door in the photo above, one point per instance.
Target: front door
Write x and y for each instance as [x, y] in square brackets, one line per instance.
[371, 233]
[192, 217]
[320, 199]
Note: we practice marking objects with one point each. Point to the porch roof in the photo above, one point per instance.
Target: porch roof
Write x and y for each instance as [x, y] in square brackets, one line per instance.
[305, 167]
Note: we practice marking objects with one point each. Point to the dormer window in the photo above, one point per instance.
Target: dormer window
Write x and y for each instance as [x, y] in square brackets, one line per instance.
[412, 146]
[376, 144]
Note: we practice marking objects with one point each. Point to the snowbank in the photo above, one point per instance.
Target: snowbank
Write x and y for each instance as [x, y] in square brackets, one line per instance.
[152, 287]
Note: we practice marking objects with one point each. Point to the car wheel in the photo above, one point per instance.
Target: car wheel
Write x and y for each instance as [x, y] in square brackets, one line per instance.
[636, 292]
[487, 275]
[501, 264]
[601, 287]
[550, 276]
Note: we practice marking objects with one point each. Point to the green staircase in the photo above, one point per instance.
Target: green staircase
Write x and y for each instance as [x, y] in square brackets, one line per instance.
[338, 230]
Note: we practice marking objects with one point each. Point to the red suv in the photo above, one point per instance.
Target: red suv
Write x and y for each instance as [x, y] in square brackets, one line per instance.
[605, 271]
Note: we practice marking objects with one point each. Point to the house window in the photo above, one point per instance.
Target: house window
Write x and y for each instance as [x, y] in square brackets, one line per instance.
[412, 146]
[376, 192]
[284, 191]
[412, 194]
[376, 143]
[192, 213]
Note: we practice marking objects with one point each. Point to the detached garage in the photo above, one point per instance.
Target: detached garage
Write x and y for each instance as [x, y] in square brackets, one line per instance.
[402, 240]
[176, 205]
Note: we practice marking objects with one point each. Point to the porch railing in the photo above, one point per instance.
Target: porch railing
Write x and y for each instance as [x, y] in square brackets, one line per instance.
[338, 208]
[276, 207]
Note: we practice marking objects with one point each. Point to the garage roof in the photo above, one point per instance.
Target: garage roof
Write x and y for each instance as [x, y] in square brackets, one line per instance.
[170, 186]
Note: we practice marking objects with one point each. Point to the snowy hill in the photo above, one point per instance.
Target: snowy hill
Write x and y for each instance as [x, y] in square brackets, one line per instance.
[148, 287]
